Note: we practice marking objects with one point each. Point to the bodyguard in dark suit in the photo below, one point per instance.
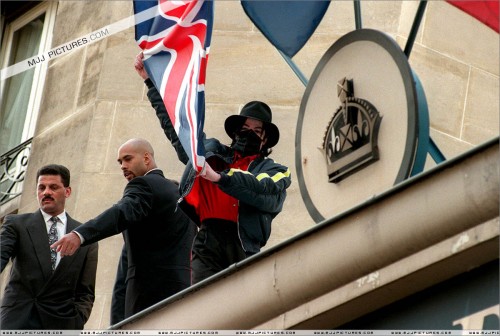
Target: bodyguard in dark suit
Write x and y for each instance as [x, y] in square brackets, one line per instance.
[46, 291]
[157, 234]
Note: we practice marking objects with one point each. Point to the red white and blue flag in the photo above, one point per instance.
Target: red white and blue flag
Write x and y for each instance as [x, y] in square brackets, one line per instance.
[485, 11]
[176, 43]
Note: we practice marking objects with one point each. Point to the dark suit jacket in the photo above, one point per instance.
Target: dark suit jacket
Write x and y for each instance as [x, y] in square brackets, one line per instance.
[117, 311]
[158, 238]
[35, 297]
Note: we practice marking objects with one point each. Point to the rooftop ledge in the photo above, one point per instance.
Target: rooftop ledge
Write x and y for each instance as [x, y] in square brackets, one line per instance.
[362, 259]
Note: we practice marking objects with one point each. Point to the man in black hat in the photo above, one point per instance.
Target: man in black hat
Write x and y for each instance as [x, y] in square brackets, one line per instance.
[241, 189]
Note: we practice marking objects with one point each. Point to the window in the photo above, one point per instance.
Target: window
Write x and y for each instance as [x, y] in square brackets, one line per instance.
[23, 37]
[26, 31]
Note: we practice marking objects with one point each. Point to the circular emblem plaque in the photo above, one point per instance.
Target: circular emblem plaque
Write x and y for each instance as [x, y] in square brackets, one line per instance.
[363, 124]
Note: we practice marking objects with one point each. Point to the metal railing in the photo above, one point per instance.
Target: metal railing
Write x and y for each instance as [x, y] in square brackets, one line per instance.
[13, 166]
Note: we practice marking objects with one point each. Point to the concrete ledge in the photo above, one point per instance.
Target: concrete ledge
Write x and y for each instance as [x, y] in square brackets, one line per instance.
[455, 196]
[440, 262]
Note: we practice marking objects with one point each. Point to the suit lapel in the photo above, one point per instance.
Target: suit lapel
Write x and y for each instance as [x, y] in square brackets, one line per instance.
[71, 224]
[37, 231]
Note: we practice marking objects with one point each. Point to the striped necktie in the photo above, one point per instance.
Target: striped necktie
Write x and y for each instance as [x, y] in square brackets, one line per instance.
[52, 239]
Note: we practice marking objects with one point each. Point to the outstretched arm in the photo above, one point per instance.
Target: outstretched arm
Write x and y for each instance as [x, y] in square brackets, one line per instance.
[68, 244]
[8, 241]
[161, 112]
[135, 205]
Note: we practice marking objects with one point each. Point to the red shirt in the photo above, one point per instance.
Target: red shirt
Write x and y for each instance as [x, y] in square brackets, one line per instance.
[211, 202]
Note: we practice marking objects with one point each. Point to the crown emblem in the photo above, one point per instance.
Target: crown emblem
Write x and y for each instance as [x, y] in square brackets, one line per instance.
[350, 141]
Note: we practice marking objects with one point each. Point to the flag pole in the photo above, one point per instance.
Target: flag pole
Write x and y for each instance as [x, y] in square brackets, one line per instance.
[433, 150]
[294, 67]
[357, 14]
[414, 28]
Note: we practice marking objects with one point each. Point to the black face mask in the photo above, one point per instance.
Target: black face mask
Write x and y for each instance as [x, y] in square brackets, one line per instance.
[246, 142]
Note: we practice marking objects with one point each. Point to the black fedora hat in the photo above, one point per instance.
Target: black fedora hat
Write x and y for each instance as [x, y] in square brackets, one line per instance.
[256, 110]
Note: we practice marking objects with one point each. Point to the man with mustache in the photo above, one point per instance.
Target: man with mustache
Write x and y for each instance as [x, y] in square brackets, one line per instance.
[157, 234]
[45, 291]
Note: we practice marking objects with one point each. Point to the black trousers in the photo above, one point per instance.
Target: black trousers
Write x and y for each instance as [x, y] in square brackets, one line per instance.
[215, 247]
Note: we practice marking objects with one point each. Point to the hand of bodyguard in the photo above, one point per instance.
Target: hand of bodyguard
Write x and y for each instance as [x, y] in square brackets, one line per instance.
[68, 244]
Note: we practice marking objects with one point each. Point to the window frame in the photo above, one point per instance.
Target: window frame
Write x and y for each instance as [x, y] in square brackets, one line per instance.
[37, 86]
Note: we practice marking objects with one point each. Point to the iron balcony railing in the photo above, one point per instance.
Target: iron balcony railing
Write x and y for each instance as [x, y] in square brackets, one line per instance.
[12, 171]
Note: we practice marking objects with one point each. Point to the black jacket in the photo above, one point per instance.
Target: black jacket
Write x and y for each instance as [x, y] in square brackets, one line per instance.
[261, 193]
[62, 299]
[158, 238]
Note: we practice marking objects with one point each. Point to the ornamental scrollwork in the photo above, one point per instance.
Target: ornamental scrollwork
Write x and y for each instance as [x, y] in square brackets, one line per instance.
[13, 165]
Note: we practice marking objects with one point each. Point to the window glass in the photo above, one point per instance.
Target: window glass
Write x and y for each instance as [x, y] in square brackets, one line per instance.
[25, 33]
[25, 43]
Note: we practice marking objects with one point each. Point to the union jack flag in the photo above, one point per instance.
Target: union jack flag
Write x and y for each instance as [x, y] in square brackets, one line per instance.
[176, 43]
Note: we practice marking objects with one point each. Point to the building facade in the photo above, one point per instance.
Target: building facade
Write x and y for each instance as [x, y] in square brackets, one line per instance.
[77, 108]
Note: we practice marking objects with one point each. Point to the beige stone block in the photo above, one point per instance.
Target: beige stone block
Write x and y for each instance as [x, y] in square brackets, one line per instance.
[92, 67]
[109, 254]
[230, 16]
[60, 90]
[294, 217]
[106, 313]
[215, 116]
[96, 313]
[380, 15]
[89, 202]
[408, 11]
[254, 70]
[308, 58]
[144, 91]
[445, 84]
[100, 315]
[138, 120]
[10, 207]
[63, 144]
[118, 79]
[449, 146]
[338, 19]
[78, 18]
[285, 117]
[482, 113]
[28, 203]
[102, 125]
[452, 32]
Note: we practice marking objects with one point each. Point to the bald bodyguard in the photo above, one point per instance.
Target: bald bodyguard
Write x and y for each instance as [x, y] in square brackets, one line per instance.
[158, 235]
